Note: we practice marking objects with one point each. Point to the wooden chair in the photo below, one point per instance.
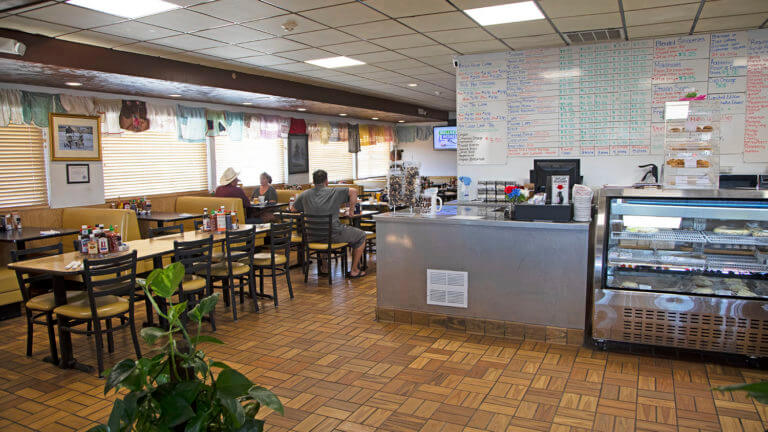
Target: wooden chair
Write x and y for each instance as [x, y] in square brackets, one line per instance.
[196, 257]
[237, 265]
[276, 260]
[108, 282]
[317, 237]
[42, 305]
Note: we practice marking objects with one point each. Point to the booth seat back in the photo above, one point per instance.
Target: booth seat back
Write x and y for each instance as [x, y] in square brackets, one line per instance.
[284, 195]
[75, 217]
[355, 186]
[9, 287]
[195, 205]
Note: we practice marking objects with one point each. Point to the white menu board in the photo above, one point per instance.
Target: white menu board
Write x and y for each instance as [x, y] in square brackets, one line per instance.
[608, 99]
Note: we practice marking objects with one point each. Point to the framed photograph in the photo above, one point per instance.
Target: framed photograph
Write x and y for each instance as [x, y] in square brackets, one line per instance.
[298, 153]
[74, 137]
[78, 173]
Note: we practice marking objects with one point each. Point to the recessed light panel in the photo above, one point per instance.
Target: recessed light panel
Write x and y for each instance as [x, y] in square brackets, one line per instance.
[127, 9]
[506, 13]
[335, 62]
[343, 115]
[73, 84]
[301, 109]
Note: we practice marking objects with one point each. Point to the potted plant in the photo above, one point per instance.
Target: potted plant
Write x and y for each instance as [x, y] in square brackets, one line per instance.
[176, 389]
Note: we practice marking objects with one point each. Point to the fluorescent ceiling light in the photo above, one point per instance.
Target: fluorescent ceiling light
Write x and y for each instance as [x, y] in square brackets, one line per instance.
[401, 121]
[301, 109]
[412, 85]
[374, 118]
[73, 83]
[343, 114]
[127, 9]
[506, 13]
[335, 62]
[247, 103]
[175, 95]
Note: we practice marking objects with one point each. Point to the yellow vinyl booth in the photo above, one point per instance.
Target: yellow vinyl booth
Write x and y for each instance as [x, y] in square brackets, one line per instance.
[284, 195]
[9, 287]
[76, 217]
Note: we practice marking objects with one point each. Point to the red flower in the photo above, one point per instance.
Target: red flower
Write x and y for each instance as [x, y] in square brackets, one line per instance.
[508, 189]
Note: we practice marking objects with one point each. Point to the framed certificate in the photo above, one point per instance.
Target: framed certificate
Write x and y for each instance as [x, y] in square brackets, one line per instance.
[78, 173]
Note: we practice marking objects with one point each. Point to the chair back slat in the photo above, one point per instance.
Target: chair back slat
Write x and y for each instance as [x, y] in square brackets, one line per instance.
[110, 276]
[318, 228]
[195, 255]
[167, 230]
[295, 219]
[280, 239]
[27, 280]
[240, 245]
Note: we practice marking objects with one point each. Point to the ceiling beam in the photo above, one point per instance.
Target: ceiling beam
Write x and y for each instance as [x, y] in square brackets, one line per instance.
[696, 18]
[56, 52]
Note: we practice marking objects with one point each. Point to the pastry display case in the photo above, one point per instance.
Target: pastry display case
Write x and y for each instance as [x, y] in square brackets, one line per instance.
[691, 145]
[682, 268]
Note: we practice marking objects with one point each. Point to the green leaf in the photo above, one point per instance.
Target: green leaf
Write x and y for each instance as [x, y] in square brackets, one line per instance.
[205, 307]
[205, 338]
[199, 423]
[175, 273]
[174, 313]
[152, 334]
[174, 410]
[188, 390]
[141, 282]
[119, 373]
[99, 428]
[757, 391]
[252, 409]
[219, 365]
[160, 284]
[116, 416]
[252, 425]
[266, 398]
[232, 384]
[233, 412]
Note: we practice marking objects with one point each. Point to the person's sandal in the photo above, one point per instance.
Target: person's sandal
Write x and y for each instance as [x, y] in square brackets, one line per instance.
[359, 275]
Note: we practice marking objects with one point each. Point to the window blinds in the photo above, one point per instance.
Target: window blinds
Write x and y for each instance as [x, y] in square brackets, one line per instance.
[373, 160]
[334, 158]
[22, 167]
[150, 163]
[251, 157]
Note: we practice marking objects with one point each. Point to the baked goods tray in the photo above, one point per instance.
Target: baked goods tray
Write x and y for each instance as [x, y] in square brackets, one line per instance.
[748, 240]
[736, 263]
[664, 235]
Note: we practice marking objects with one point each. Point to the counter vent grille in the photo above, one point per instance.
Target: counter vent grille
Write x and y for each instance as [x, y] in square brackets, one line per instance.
[447, 288]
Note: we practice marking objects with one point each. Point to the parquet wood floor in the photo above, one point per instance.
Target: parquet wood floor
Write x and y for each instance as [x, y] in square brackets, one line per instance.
[336, 369]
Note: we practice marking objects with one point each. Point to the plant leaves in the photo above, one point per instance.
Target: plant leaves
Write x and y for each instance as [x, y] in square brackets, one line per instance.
[252, 425]
[233, 412]
[232, 384]
[174, 410]
[160, 283]
[205, 338]
[219, 365]
[116, 416]
[198, 424]
[175, 272]
[252, 409]
[174, 313]
[266, 398]
[757, 391]
[119, 373]
[152, 334]
[188, 390]
[204, 307]
[99, 428]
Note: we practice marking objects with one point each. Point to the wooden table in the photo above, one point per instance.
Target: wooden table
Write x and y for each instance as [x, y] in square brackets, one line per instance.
[21, 237]
[255, 210]
[55, 266]
[355, 218]
[162, 217]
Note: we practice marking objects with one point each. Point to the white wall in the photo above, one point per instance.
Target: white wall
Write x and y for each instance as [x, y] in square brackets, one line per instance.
[433, 163]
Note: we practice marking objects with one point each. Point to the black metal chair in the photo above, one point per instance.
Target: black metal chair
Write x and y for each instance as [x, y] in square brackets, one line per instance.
[317, 237]
[237, 265]
[218, 253]
[196, 257]
[108, 281]
[166, 230]
[296, 220]
[41, 305]
[277, 260]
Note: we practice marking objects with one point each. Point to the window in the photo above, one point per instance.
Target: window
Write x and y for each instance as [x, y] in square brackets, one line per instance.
[334, 158]
[251, 158]
[373, 160]
[152, 163]
[22, 167]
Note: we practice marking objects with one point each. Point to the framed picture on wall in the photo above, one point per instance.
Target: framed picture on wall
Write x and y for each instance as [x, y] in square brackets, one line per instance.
[78, 173]
[298, 153]
[74, 137]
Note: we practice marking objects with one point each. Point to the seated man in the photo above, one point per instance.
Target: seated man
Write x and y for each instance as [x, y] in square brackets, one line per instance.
[228, 188]
[322, 200]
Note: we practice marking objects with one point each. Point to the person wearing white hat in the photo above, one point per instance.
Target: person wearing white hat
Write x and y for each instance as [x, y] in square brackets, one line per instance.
[228, 187]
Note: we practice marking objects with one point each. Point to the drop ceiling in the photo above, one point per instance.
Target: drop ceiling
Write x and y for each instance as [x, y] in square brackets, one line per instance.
[402, 41]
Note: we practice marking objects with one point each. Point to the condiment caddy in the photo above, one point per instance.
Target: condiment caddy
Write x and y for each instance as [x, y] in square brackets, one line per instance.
[98, 240]
[219, 221]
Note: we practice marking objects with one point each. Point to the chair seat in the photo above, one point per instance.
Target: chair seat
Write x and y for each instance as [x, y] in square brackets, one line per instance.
[370, 235]
[296, 238]
[222, 270]
[192, 283]
[217, 255]
[106, 306]
[263, 259]
[46, 302]
[324, 246]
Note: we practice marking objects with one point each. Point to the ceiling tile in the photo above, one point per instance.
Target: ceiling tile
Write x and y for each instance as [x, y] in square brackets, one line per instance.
[463, 35]
[382, 75]
[662, 14]
[148, 48]
[300, 5]
[647, 4]
[548, 40]
[430, 50]
[184, 20]
[325, 73]
[423, 70]
[296, 67]
[185, 3]
[32, 5]
[349, 13]
[479, 46]
[588, 22]
[441, 21]
[377, 29]
[733, 7]
[98, 39]
[526, 28]
[362, 69]
[234, 34]
[265, 60]
[136, 30]
[15, 22]
[188, 42]
[405, 41]
[229, 52]
[400, 64]
[307, 54]
[191, 57]
[729, 23]
[381, 56]
[471, 4]
[273, 25]
[403, 8]
[441, 60]
[322, 37]
[275, 45]
[72, 16]
[662, 29]
[351, 48]
[568, 8]
[238, 10]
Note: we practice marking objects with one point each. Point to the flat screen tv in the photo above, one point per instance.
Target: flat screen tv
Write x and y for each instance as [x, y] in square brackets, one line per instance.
[444, 138]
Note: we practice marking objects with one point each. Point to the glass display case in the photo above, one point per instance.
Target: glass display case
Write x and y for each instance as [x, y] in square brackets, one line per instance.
[691, 145]
[683, 268]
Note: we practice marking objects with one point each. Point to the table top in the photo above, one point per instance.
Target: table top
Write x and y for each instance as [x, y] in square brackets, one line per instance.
[363, 213]
[33, 233]
[168, 216]
[267, 206]
[145, 249]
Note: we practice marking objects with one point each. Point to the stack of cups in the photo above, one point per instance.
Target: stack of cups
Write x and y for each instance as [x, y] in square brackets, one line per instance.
[582, 203]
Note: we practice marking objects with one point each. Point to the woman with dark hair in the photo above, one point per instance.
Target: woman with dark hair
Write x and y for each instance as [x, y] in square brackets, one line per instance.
[265, 189]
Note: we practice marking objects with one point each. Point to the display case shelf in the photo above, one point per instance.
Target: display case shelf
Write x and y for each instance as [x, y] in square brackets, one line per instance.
[727, 239]
[687, 236]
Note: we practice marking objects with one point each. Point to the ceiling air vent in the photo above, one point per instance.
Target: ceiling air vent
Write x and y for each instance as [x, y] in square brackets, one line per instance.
[593, 36]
